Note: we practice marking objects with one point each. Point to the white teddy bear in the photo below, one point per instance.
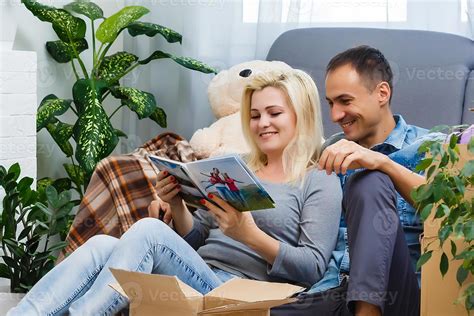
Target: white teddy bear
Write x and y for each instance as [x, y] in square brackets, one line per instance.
[225, 94]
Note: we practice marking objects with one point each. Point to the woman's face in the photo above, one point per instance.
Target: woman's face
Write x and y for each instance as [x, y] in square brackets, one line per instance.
[272, 121]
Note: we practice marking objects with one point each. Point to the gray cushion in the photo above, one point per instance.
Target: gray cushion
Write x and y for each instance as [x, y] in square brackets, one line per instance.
[431, 69]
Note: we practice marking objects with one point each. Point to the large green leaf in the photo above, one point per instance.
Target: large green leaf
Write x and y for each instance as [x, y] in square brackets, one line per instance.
[75, 173]
[114, 66]
[159, 116]
[67, 27]
[151, 29]
[187, 62]
[61, 133]
[50, 107]
[140, 102]
[84, 7]
[113, 25]
[63, 52]
[93, 131]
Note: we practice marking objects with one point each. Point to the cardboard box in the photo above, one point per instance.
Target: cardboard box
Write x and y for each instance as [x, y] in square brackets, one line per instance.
[438, 294]
[152, 293]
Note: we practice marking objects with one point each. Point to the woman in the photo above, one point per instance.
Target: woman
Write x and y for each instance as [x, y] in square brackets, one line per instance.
[291, 243]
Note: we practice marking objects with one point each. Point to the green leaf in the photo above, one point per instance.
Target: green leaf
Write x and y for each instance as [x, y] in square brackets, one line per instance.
[470, 145]
[63, 52]
[140, 102]
[24, 184]
[423, 259]
[444, 233]
[425, 146]
[62, 184]
[460, 185]
[444, 160]
[52, 196]
[4, 271]
[113, 25]
[120, 133]
[187, 62]
[75, 173]
[14, 171]
[442, 210]
[61, 133]
[58, 246]
[468, 169]
[67, 27]
[453, 249]
[468, 230]
[24, 233]
[425, 163]
[159, 116]
[151, 29]
[64, 198]
[453, 141]
[65, 210]
[89, 9]
[443, 264]
[12, 264]
[49, 108]
[426, 212]
[114, 66]
[93, 132]
[461, 275]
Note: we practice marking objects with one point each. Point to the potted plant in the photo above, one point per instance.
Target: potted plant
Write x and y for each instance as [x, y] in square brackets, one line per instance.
[447, 202]
[33, 227]
[92, 132]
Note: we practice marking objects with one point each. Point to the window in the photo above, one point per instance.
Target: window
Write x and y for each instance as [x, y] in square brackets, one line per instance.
[328, 11]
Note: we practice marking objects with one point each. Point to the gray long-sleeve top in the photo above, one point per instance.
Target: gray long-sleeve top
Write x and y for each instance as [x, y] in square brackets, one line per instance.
[305, 221]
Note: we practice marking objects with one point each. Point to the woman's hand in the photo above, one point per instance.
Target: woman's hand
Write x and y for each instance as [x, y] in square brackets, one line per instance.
[167, 188]
[237, 225]
[157, 206]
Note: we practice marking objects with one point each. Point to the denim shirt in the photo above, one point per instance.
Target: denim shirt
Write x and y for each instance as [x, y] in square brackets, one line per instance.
[401, 146]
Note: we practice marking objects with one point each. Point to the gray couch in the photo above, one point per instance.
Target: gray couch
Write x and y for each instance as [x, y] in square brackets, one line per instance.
[433, 72]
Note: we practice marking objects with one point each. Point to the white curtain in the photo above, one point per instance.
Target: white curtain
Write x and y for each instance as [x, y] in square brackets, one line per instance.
[222, 33]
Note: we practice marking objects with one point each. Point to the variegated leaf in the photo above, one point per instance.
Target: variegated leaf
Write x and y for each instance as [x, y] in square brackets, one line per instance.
[49, 108]
[67, 27]
[75, 173]
[89, 9]
[151, 29]
[93, 131]
[140, 102]
[159, 116]
[187, 62]
[61, 133]
[63, 52]
[114, 66]
[113, 25]
[120, 133]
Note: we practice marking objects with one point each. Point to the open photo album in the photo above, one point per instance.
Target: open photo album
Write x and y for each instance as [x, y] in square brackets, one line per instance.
[227, 177]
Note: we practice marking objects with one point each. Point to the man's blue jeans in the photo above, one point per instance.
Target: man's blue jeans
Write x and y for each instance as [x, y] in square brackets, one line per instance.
[80, 284]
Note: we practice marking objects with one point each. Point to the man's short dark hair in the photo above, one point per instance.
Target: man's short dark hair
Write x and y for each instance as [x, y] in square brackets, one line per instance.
[369, 63]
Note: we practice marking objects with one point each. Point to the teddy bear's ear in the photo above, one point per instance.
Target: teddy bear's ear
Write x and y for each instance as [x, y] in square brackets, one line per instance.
[245, 73]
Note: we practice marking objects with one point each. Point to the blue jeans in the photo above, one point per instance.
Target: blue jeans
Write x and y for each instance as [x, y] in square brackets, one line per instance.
[80, 284]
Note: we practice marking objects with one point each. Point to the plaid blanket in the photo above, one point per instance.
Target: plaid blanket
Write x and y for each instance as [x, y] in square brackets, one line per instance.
[120, 190]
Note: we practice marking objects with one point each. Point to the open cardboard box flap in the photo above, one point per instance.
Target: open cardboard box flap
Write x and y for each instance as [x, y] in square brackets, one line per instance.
[170, 293]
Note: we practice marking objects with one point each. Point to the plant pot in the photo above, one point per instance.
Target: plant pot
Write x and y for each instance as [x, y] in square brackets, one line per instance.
[8, 300]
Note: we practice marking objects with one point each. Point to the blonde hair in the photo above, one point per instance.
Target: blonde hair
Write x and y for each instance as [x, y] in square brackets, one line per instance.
[303, 98]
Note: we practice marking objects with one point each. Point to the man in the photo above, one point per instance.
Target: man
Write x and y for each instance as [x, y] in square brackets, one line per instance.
[381, 225]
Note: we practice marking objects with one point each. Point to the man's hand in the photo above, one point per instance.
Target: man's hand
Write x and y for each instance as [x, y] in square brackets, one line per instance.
[237, 225]
[156, 206]
[345, 155]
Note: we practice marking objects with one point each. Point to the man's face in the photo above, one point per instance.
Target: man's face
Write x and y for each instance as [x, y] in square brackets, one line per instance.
[353, 106]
